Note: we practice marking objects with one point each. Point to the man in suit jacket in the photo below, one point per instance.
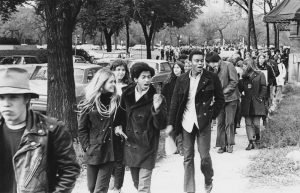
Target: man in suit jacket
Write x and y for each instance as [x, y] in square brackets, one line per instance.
[229, 81]
[197, 99]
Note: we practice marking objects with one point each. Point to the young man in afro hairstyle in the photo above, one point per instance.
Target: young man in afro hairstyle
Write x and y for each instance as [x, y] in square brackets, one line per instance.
[141, 116]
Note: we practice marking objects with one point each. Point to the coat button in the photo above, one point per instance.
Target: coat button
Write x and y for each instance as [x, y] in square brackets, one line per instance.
[204, 114]
[202, 90]
[101, 119]
[203, 103]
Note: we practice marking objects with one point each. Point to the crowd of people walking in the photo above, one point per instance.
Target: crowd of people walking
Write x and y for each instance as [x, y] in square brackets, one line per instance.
[122, 115]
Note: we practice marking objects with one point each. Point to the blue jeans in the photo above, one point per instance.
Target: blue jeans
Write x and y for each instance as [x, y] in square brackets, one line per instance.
[141, 179]
[203, 141]
[98, 177]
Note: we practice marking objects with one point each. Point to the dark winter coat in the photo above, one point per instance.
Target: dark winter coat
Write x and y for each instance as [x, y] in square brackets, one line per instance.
[254, 96]
[272, 70]
[143, 127]
[209, 100]
[167, 90]
[95, 134]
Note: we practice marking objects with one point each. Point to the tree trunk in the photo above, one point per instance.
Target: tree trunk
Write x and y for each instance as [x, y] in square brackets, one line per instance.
[249, 27]
[148, 46]
[268, 35]
[107, 36]
[83, 36]
[61, 87]
[267, 27]
[153, 41]
[275, 35]
[148, 38]
[115, 41]
[221, 35]
[252, 25]
[101, 42]
[127, 36]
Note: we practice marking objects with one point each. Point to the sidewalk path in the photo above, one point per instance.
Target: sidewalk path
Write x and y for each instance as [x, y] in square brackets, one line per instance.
[230, 170]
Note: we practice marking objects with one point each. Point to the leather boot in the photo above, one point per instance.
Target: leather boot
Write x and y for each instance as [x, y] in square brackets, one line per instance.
[250, 146]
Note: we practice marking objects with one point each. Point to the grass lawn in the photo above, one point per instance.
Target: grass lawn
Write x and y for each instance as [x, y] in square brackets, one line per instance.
[281, 136]
[284, 124]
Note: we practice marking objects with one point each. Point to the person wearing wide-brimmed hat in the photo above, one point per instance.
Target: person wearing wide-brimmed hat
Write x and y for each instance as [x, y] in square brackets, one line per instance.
[37, 152]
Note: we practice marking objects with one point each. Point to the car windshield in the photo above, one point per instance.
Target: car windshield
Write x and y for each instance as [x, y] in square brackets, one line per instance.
[42, 75]
[17, 60]
[79, 60]
[11, 60]
[165, 67]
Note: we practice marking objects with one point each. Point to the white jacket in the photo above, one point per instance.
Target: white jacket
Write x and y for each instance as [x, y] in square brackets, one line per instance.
[282, 74]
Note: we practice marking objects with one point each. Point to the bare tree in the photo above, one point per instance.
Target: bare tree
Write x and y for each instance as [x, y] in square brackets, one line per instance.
[247, 6]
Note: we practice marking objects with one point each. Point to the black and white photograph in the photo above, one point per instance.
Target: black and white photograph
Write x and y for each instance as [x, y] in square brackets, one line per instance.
[149, 96]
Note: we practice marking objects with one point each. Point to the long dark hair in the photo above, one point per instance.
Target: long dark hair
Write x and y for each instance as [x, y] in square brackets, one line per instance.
[126, 79]
[172, 76]
[257, 61]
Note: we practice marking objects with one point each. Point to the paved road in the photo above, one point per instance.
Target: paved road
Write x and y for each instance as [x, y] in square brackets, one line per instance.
[230, 170]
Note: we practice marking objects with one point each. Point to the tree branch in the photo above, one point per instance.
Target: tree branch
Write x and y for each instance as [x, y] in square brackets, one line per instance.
[239, 4]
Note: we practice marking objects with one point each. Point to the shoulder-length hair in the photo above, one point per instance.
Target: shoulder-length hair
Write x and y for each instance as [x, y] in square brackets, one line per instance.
[260, 55]
[172, 75]
[126, 79]
[93, 93]
[250, 64]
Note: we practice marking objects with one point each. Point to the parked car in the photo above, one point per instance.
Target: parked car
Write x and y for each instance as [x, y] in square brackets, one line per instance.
[139, 47]
[162, 69]
[108, 57]
[84, 53]
[79, 59]
[107, 62]
[83, 73]
[20, 59]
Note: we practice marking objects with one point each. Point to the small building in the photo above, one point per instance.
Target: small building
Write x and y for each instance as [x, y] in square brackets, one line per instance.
[288, 13]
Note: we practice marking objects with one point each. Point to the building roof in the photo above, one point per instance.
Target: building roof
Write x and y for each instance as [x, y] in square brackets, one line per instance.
[286, 11]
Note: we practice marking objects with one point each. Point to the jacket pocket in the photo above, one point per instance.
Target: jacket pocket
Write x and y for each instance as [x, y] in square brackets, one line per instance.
[33, 170]
[147, 137]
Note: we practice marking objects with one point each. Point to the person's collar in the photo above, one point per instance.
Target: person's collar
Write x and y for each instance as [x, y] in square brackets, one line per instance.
[141, 93]
[199, 75]
[16, 127]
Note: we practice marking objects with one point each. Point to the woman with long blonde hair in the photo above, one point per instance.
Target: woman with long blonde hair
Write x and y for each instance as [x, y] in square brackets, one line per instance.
[96, 115]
